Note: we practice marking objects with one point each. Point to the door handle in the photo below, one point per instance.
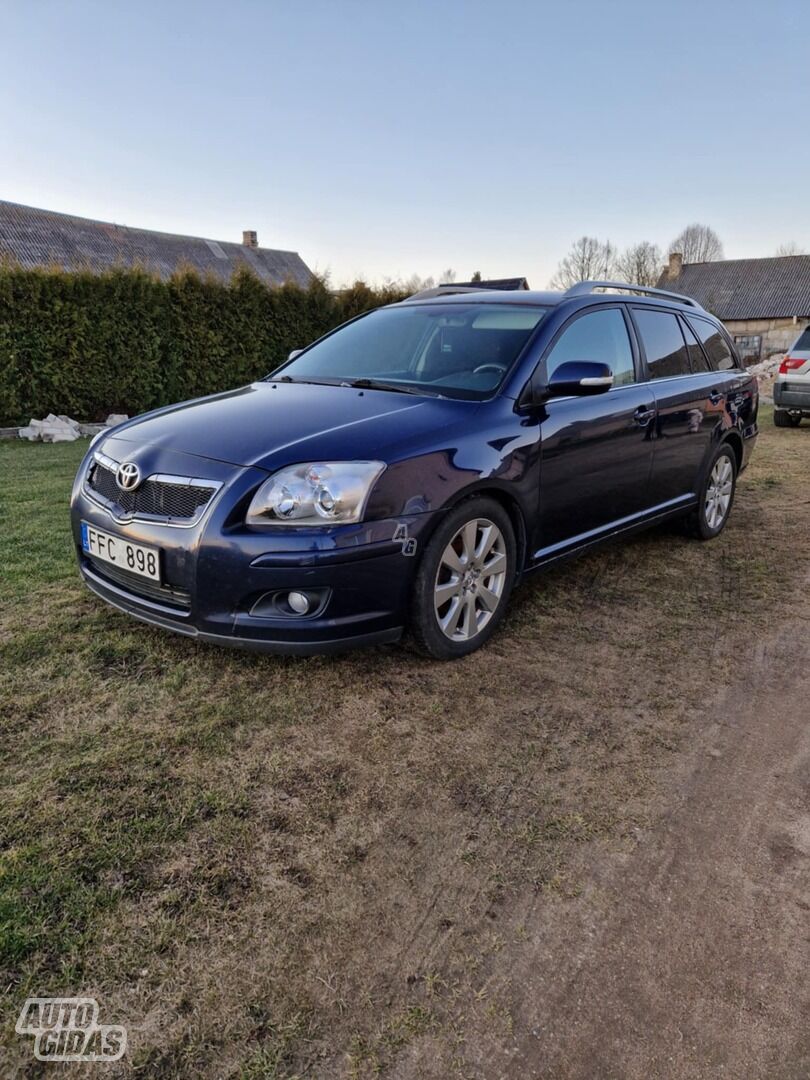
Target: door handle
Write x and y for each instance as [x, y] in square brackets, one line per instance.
[643, 416]
[715, 397]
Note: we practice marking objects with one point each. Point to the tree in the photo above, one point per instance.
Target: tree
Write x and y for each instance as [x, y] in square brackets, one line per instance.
[791, 248]
[411, 285]
[697, 243]
[415, 283]
[588, 260]
[640, 264]
[476, 276]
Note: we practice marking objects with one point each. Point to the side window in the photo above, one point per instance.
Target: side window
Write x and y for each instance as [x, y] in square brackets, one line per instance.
[598, 336]
[718, 352]
[663, 343]
[697, 357]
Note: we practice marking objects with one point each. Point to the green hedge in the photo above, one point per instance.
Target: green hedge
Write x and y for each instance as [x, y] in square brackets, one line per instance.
[123, 341]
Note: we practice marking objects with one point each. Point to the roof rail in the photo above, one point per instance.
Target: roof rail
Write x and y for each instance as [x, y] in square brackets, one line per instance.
[447, 290]
[582, 288]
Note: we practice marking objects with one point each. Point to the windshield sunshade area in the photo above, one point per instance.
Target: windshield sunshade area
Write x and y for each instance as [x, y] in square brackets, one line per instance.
[458, 350]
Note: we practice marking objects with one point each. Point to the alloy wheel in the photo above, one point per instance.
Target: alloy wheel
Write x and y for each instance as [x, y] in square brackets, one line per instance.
[719, 492]
[470, 579]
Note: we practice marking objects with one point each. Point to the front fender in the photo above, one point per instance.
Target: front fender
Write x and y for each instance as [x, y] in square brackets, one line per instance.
[501, 454]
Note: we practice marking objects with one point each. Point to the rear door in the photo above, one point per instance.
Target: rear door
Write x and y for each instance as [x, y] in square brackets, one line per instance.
[690, 402]
[596, 451]
[727, 384]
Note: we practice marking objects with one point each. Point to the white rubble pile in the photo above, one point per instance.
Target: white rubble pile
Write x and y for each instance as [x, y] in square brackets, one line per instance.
[765, 371]
[52, 429]
[60, 428]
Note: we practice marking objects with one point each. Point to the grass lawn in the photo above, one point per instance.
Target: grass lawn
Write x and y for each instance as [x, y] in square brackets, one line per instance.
[279, 867]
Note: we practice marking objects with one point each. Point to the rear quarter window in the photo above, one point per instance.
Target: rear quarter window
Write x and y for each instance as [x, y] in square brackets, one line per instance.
[714, 344]
[697, 357]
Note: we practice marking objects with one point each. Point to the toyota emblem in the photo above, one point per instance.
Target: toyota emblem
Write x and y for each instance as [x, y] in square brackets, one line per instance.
[128, 476]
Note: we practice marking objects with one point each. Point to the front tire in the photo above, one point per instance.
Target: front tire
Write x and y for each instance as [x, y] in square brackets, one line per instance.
[711, 515]
[464, 580]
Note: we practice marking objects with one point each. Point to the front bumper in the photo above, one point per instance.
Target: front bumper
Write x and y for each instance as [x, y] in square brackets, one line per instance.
[270, 641]
[787, 395]
[218, 570]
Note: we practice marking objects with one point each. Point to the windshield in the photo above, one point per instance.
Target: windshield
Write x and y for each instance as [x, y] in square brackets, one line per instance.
[458, 350]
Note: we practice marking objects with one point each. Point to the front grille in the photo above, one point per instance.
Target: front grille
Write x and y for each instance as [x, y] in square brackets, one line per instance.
[154, 497]
[167, 594]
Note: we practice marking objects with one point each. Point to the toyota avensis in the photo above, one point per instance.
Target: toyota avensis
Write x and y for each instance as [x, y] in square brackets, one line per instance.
[405, 471]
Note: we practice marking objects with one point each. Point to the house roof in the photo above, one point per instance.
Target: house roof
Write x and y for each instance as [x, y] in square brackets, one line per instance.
[747, 288]
[33, 237]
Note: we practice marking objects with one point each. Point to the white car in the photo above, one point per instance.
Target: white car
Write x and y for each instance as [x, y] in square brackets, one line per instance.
[791, 391]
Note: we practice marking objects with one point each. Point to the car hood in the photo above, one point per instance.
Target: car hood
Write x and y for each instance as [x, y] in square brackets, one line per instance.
[268, 424]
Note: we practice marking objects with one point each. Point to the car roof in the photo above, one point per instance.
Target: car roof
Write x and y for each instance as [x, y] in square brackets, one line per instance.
[547, 298]
[491, 296]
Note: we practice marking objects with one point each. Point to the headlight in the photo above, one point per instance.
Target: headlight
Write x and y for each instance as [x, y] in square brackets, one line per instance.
[315, 493]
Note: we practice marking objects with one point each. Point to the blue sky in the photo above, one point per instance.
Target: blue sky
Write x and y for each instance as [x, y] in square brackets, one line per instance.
[383, 139]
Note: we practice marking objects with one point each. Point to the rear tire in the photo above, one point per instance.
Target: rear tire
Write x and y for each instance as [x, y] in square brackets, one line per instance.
[782, 418]
[710, 516]
[464, 580]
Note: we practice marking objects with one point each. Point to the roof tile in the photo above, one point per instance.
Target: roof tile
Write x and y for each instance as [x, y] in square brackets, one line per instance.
[35, 237]
[747, 288]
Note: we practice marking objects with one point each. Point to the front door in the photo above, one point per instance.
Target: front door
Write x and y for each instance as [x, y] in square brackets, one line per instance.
[596, 452]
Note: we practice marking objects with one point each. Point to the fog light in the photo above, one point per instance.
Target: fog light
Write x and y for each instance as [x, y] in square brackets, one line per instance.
[299, 602]
[295, 604]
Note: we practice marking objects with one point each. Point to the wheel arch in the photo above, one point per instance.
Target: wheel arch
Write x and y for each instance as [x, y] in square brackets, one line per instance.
[512, 507]
[734, 440]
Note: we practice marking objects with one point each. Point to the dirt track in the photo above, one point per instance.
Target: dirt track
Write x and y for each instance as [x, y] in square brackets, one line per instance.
[690, 957]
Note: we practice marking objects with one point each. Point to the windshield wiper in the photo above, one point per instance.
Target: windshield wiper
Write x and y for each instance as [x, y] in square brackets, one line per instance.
[307, 382]
[358, 384]
[379, 384]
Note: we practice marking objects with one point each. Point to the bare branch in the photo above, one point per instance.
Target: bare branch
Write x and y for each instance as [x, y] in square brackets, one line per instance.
[589, 259]
[791, 248]
[697, 243]
[640, 264]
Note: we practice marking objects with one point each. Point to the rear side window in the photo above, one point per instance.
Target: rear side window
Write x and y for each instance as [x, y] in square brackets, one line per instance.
[598, 336]
[718, 352]
[697, 357]
[663, 343]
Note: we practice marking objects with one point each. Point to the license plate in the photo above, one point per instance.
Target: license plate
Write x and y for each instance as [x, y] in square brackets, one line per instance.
[115, 550]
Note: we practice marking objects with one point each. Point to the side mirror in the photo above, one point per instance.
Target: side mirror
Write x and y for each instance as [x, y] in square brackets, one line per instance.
[578, 378]
[294, 353]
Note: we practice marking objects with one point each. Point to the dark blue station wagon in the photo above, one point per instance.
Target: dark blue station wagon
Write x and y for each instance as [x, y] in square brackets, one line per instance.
[403, 473]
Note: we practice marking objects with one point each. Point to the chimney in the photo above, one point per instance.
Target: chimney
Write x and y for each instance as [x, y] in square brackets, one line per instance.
[250, 239]
[675, 265]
